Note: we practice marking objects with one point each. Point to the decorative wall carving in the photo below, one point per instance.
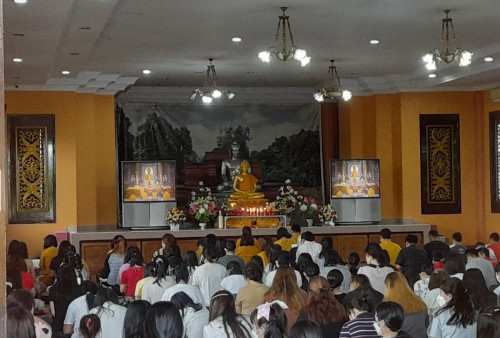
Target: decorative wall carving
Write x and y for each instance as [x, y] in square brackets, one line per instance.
[440, 163]
[495, 161]
[31, 168]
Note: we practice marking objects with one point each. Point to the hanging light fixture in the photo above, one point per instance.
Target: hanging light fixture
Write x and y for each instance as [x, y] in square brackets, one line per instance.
[209, 92]
[281, 52]
[445, 54]
[332, 89]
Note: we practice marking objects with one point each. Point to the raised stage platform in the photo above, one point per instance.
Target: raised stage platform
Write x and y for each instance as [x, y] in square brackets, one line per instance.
[93, 242]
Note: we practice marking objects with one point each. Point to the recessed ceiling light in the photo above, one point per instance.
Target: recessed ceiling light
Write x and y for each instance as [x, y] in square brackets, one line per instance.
[374, 42]
[20, 1]
[17, 60]
[488, 59]
[236, 39]
[65, 72]
[432, 75]
[146, 72]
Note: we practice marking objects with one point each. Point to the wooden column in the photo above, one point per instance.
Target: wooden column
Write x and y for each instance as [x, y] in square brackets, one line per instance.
[330, 140]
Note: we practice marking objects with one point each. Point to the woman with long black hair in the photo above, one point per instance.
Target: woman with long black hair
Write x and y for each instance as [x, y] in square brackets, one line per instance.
[105, 304]
[194, 316]
[457, 318]
[154, 289]
[224, 321]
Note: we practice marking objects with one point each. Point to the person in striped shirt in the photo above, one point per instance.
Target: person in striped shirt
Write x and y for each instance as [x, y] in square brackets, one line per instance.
[359, 306]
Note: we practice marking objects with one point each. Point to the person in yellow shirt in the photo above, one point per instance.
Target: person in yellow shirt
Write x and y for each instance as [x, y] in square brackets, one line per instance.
[385, 243]
[296, 237]
[247, 249]
[265, 244]
[284, 240]
[49, 252]
[247, 231]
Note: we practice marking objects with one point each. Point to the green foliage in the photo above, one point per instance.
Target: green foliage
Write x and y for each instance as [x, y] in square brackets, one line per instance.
[240, 135]
[296, 157]
[157, 139]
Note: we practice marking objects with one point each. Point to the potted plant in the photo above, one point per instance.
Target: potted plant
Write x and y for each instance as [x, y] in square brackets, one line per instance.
[175, 217]
[202, 205]
[309, 209]
[327, 215]
[287, 200]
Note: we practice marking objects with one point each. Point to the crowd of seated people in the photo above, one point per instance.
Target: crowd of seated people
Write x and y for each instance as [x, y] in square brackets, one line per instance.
[258, 288]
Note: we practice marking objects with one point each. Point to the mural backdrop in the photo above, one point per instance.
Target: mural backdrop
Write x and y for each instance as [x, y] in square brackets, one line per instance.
[283, 139]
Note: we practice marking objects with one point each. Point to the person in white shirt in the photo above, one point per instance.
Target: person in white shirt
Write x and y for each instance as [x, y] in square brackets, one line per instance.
[474, 261]
[377, 267]
[112, 315]
[153, 289]
[235, 279]
[78, 308]
[181, 274]
[309, 246]
[224, 321]
[209, 275]
[194, 316]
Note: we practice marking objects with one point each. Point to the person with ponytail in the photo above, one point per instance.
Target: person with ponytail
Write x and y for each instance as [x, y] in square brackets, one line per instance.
[224, 321]
[359, 306]
[90, 326]
[269, 320]
[113, 261]
[457, 318]
[154, 288]
[105, 304]
[194, 316]
[377, 267]
[323, 308]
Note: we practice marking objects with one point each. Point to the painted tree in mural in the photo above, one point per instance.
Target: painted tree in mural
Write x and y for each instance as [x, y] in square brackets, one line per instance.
[240, 134]
[123, 134]
[157, 139]
[296, 157]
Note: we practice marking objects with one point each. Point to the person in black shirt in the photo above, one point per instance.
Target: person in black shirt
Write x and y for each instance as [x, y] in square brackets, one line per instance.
[435, 245]
[410, 259]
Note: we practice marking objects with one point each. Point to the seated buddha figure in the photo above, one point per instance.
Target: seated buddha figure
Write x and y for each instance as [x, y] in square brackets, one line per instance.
[245, 186]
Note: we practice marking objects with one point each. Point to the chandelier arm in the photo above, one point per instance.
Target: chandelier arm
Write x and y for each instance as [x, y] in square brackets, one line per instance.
[337, 76]
[290, 31]
[214, 76]
[276, 37]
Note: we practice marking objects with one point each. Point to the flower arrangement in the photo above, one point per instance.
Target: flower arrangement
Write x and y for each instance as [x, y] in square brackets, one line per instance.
[309, 207]
[288, 199]
[176, 215]
[327, 214]
[202, 204]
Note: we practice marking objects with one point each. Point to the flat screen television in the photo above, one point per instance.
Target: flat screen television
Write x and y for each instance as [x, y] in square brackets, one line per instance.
[148, 181]
[355, 178]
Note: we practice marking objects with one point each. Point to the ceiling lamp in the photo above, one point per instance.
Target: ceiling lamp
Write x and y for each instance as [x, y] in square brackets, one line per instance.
[332, 89]
[209, 92]
[445, 54]
[282, 52]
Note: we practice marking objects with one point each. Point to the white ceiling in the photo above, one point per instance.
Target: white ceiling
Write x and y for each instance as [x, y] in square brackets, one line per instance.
[174, 39]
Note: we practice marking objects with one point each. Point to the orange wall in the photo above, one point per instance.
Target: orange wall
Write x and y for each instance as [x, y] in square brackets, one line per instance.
[394, 120]
[85, 160]
[382, 126]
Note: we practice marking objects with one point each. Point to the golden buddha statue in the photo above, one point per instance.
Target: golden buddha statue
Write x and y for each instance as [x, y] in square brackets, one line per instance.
[245, 186]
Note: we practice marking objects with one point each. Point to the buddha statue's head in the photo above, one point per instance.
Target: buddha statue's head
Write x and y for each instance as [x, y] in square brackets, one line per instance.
[244, 166]
[235, 149]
